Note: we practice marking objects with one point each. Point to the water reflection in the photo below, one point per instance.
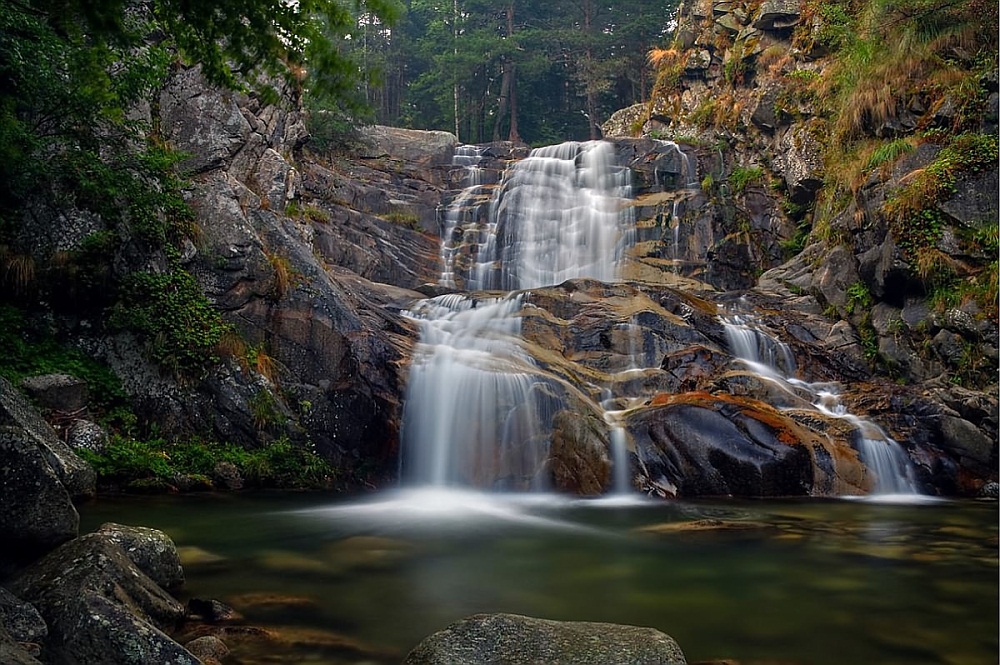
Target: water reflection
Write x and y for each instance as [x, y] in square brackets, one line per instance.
[809, 582]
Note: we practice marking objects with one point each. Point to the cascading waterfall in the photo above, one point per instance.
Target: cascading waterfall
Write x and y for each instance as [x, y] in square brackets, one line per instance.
[559, 214]
[470, 413]
[477, 408]
[463, 208]
[773, 360]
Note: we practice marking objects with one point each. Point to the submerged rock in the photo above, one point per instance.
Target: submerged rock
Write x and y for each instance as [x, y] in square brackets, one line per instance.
[519, 640]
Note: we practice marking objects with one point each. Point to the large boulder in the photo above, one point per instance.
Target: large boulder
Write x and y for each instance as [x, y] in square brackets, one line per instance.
[20, 619]
[12, 653]
[36, 512]
[428, 148]
[520, 640]
[16, 412]
[100, 608]
[705, 445]
[151, 550]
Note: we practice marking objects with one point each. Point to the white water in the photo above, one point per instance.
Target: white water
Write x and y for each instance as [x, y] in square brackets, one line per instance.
[470, 417]
[463, 209]
[559, 214]
[773, 361]
[477, 409]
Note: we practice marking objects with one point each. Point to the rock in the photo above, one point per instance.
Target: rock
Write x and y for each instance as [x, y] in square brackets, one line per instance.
[13, 653]
[202, 122]
[275, 179]
[76, 475]
[976, 451]
[212, 611]
[87, 435]
[625, 122]
[519, 640]
[208, 646]
[151, 550]
[990, 490]
[708, 445]
[800, 162]
[837, 273]
[227, 476]
[778, 15]
[427, 148]
[100, 608]
[20, 619]
[36, 512]
[57, 392]
[764, 116]
[578, 459]
[975, 199]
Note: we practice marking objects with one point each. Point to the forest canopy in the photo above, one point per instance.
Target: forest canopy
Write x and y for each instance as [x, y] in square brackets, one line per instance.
[511, 69]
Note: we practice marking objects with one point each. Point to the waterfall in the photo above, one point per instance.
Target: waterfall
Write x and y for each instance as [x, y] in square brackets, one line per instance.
[478, 410]
[472, 414]
[463, 209]
[559, 214]
[773, 360]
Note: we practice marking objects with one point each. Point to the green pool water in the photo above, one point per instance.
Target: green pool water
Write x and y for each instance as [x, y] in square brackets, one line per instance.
[819, 582]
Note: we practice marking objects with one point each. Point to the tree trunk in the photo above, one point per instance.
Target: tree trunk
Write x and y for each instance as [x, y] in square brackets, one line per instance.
[588, 60]
[454, 25]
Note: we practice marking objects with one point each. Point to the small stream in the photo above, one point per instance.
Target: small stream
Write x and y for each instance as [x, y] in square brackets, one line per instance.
[822, 582]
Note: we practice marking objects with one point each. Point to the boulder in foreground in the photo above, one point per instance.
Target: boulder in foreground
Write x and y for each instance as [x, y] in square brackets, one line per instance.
[519, 640]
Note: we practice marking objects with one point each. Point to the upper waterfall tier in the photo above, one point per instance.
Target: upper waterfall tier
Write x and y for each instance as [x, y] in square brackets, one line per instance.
[559, 214]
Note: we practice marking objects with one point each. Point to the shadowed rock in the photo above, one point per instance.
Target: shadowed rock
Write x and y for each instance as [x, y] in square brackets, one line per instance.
[520, 640]
[100, 608]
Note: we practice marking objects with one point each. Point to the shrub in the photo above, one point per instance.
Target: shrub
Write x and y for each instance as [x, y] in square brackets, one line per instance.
[169, 311]
[742, 176]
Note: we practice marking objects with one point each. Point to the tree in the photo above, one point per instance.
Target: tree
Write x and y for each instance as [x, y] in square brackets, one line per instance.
[542, 71]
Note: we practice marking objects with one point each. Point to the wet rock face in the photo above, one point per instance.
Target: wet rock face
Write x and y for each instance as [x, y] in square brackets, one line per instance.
[708, 447]
[519, 640]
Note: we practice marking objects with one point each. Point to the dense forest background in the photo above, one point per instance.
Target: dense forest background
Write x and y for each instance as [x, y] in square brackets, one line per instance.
[491, 70]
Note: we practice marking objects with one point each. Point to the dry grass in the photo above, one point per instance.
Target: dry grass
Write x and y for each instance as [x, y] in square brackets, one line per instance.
[933, 264]
[284, 274]
[663, 57]
[16, 270]
[232, 345]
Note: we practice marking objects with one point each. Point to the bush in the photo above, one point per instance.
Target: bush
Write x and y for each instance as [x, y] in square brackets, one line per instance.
[158, 463]
[169, 310]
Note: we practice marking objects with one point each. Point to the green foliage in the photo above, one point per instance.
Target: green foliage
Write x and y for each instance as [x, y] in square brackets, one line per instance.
[915, 220]
[158, 463]
[317, 215]
[265, 410]
[734, 70]
[743, 176]
[797, 243]
[403, 218]
[859, 298]
[181, 328]
[708, 184]
[703, 115]
[888, 153]
[869, 338]
[29, 349]
[987, 238]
